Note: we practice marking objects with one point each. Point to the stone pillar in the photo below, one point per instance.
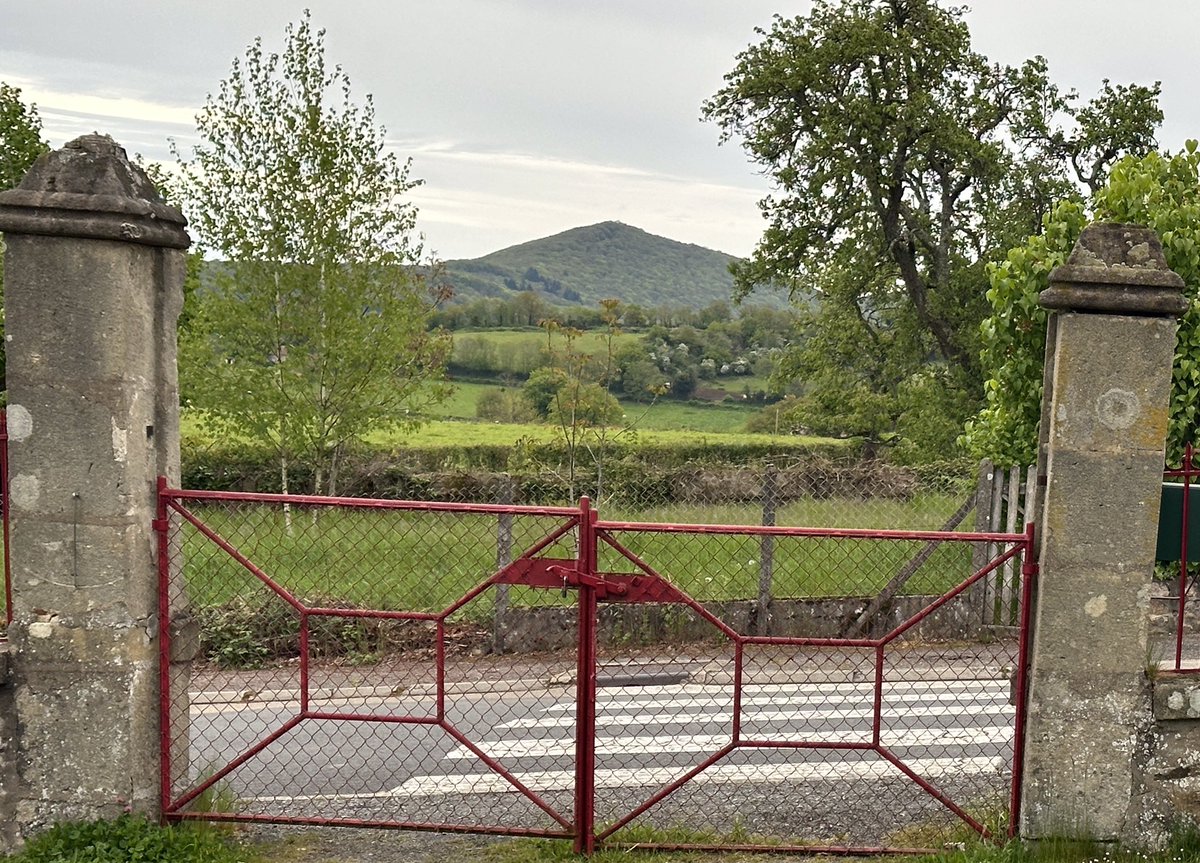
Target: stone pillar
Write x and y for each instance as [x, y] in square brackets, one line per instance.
[93, 281]
[1104, 427]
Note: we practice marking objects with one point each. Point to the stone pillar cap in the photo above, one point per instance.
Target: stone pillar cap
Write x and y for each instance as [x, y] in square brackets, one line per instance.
[89, 189]
[1116, 269]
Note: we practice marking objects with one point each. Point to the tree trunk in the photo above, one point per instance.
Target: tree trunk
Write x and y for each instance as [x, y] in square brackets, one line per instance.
[283, 487]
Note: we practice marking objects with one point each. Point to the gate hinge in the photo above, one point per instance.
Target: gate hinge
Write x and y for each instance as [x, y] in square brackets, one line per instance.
[160, 525]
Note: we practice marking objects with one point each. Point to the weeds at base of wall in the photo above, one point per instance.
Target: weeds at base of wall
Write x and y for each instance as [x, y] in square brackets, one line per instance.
[217, 799]
[129, 839]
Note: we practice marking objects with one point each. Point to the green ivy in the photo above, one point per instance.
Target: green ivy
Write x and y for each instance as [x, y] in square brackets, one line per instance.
[1159, 191]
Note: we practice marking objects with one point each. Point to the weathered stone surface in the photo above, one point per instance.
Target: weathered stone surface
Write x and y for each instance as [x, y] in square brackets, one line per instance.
[10, 779]
[1171, 776]
[1104, 425]
[1116, 269]
[1110, 401]
[88, 747]
[1087, 740]
[89, 189]
[79, 570]
[1177, 696]
[93, 287]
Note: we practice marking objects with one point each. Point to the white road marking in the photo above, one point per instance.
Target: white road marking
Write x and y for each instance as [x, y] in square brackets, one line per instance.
[686, 716]
[645, 745]
[828, 694]
[541, 781]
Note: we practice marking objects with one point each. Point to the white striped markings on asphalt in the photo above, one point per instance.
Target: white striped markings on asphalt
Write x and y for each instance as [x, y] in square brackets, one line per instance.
[564, 780]
[543, 781]
[787, 693]
[651, 744]
[960, 711]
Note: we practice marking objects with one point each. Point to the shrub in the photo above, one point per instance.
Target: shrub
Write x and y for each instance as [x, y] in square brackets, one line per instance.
[506, 406]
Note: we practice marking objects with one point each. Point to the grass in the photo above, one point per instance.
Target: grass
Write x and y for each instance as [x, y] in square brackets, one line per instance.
[1183, 847]
[519, 351]
[664, 415]
[129, 839]
[660, 416]
[443, 433]
[422, 561]
[439, 434]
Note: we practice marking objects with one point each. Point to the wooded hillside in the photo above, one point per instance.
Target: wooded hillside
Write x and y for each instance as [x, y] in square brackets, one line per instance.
[588, 264]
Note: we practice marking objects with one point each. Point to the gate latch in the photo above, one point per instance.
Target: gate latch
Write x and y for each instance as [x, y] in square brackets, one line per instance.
[572, 577]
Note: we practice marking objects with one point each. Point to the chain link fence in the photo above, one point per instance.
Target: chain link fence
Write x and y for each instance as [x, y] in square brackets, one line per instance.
[417, 664]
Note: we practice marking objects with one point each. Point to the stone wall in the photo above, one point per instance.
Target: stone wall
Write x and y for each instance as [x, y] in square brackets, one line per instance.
[1170, 763]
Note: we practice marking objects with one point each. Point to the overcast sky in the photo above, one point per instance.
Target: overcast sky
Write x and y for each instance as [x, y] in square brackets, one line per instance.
[528, 117]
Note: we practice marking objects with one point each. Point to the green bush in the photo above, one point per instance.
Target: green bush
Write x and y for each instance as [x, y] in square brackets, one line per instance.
[245, 633]
[128, 839]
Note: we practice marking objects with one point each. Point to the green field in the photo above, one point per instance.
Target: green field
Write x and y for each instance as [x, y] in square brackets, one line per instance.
[521, 351]
[451, 432]
[516, 353]
[663, 415]
[415, 561]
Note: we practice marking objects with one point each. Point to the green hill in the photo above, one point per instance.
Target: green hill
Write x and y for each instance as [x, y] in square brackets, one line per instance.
[586, 265]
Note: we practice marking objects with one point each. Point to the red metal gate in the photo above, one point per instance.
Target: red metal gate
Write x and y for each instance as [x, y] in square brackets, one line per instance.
[610, 683]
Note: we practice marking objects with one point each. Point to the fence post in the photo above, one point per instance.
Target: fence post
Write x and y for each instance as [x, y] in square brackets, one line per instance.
[1010, 575]
[766, 551]
[991, 599]
[94, 273]
[983, 524]
[1105, 405]
[506, 494]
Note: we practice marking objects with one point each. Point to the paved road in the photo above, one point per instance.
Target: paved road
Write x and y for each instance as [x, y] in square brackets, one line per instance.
[946, 731]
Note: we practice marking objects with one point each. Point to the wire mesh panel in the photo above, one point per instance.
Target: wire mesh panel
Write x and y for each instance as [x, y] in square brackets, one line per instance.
[536, 671]
[786, 706]
[352, 666]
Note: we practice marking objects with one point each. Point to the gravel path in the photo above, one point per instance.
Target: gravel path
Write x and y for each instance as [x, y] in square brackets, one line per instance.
[351, 845]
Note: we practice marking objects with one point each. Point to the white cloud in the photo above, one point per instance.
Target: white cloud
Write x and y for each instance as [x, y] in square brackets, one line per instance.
[514, 197]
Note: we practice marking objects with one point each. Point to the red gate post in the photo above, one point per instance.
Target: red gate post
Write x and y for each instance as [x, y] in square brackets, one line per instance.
[8, 609]
[585, 733]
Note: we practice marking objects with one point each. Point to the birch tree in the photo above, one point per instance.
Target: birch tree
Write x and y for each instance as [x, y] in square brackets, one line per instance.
[312, 326]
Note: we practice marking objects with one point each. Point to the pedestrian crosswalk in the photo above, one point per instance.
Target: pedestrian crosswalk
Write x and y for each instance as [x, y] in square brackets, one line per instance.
[651, 736]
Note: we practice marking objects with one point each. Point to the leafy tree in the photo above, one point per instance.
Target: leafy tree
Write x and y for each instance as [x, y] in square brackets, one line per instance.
[475, 353]
[641, 378]
[1159, 191]
[541, 389]
[20, 136]
[504, 405]
[903, 162]
[314, 330]
[589, 418]
[20, 145]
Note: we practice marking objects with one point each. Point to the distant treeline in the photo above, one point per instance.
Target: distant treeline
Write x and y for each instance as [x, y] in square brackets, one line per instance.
[529, 309]
[649, 360]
